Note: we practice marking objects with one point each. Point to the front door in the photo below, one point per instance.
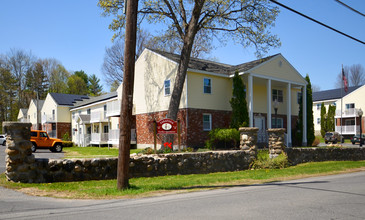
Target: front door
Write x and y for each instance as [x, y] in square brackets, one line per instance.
[259, 122]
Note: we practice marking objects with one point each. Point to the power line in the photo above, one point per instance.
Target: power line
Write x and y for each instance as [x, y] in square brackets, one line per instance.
[318, 22]
[347, 6]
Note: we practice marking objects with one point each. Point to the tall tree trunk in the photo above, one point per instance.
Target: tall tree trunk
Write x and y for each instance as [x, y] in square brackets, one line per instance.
[190, 31]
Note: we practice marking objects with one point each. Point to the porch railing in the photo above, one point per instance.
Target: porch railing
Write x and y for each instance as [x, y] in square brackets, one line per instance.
[348, 129]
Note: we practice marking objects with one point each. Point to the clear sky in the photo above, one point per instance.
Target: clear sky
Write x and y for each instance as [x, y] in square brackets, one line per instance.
[75, 33]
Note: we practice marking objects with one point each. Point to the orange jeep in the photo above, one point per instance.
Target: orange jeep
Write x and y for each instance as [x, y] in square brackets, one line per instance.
[40, 139]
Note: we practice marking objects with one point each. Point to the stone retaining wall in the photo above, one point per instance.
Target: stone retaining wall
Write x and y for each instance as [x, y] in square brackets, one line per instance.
[304, 155]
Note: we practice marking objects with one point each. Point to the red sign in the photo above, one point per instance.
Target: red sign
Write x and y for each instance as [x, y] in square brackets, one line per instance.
[166, 126]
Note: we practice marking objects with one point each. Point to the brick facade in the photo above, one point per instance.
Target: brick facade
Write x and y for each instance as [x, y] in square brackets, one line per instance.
[192, 132]
[60, 128]
[191, 120]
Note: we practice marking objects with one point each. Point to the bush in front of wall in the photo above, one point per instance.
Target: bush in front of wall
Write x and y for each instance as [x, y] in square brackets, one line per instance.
[223, 138]
[264, 161]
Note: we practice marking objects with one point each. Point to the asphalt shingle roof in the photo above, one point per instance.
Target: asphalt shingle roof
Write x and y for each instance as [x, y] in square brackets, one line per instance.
[94, 99]
[332, 94]
[214, 67]
[67, 99]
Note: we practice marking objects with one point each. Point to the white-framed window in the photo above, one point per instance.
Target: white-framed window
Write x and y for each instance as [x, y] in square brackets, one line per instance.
[73, 115]
[350, 106]
[207, 122]
[88, 111]
[53, 114]
[299, 98]
[207, 86]
[319, 106]
[167, 87]
[318, 121]
[276, 122]
[106, 129]
[277, 94]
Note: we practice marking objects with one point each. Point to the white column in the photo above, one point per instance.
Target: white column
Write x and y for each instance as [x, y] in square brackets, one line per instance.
[288, 116]
[304, 102]
[250, 100]
[268, 87]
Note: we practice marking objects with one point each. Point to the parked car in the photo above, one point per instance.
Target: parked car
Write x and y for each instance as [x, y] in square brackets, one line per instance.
[2, 139]
[356, 139]
[333, 137]
[41, 140]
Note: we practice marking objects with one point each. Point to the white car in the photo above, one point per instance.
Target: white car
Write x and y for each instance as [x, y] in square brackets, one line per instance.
[3, 139]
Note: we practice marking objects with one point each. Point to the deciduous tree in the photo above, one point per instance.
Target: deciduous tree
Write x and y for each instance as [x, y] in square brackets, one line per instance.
[245, 22]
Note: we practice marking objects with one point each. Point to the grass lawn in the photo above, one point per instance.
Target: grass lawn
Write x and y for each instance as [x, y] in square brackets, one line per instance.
[92, 152]
[142, 187]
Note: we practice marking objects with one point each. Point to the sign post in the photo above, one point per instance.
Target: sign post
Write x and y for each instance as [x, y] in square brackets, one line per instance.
[167, 126]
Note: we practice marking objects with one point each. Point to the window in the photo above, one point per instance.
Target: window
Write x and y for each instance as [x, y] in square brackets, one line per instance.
[33, 134]
[299, 98]
[319, 106]
[207, 122]
[88, 111]
[167, 87]
[350, 105]
[207, 86]
[318, 121]
[43, 134]
[106, 129]
[73, 115]
[277, 95]
[276, 122]
[53, 114]
[105, 110]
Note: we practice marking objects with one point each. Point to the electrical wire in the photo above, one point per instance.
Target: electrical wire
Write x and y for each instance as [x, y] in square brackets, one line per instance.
[347, 6]
[318, 22]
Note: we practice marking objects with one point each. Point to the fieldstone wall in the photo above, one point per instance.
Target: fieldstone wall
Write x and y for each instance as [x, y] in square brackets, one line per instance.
[276, 141]
[248, 141]
[66, 170]
[304, 155]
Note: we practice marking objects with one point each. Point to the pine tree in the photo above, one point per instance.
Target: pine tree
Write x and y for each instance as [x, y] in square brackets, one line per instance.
[238, 103]
[310, 124]
[323, 120]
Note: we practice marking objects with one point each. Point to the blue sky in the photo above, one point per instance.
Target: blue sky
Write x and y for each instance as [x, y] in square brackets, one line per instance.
[75, 33]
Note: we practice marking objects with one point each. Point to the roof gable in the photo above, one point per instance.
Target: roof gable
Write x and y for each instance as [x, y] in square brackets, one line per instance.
[214, 67]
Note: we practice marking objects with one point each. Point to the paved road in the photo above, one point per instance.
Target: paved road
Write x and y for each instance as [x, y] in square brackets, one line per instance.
[40, 153]
[330, 197]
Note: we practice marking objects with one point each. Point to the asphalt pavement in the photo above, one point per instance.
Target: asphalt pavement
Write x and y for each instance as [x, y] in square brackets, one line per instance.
[329, 197]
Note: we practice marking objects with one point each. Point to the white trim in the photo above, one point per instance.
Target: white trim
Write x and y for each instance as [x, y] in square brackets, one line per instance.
[209, 73]
[276, 79]
[210, 121]
[269, 96]
[288, 115]
[211, 85]
[94, 103]
[164, 88]
[250, 100]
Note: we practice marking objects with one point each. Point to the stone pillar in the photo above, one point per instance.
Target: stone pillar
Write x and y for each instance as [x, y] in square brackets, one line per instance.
[19, 157]
[276, 141]
[248, 140]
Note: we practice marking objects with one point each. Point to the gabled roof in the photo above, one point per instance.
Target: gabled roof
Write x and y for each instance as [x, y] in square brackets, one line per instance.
[84, 118]
[214, 67]
[332, 94]
[67, 99]
[94, 99]
[24, 111]
[40, 103]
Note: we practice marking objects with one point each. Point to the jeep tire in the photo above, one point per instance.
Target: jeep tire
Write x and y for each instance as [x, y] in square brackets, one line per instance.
[34, 147]
[57, 148]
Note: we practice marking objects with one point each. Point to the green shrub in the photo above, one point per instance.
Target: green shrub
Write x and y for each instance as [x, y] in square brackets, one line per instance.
[147, 150]
[223, 138]
[68, 144]
[66, 137]
[264, 161]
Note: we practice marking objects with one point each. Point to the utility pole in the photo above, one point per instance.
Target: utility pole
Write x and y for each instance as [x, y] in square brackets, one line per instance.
[127, 94]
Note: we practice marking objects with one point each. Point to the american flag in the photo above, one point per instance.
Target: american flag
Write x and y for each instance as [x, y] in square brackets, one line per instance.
[344, 79]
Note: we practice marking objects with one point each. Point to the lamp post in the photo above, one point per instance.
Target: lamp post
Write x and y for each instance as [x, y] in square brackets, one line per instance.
[360, 115]
[276, 105]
